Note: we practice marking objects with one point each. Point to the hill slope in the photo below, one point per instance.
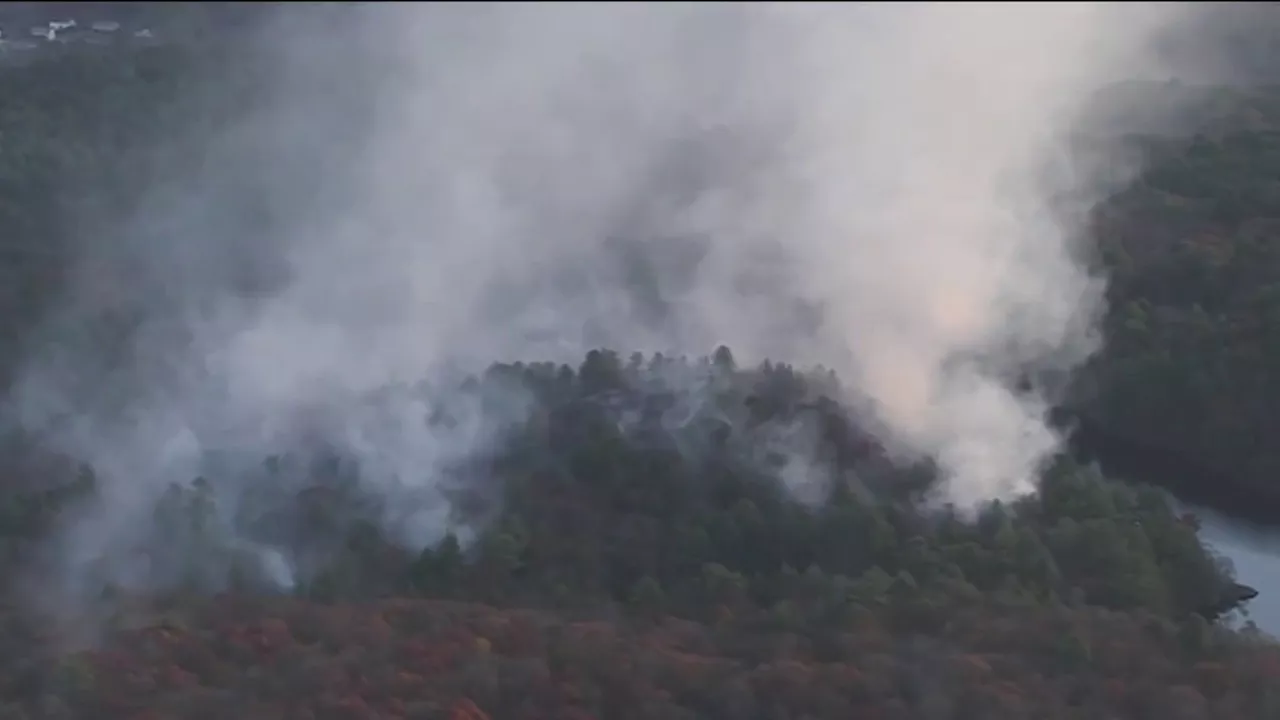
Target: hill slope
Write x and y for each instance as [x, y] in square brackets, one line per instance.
[617, 506]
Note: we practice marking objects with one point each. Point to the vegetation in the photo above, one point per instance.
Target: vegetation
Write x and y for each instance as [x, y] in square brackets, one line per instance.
[680, 538]
[624, 507]
[1194, 329]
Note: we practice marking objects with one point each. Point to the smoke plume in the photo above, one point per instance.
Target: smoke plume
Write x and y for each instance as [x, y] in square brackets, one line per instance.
[886, 189]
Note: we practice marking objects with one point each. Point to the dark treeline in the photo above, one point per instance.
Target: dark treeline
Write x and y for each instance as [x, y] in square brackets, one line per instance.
[1188, 370]
[638, 545]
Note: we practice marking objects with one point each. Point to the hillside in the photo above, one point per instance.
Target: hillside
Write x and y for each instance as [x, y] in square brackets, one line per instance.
[431, 659]
[619, 509]
[1192, 341]
[658, 537]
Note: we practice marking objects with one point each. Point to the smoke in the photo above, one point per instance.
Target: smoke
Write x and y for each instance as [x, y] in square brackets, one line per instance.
[881, 188]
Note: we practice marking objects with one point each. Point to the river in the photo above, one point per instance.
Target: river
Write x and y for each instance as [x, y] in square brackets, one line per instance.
[1253, 549]
[1255, 552]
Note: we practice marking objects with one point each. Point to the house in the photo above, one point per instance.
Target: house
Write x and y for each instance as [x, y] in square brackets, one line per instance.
[105, 26]
[56, 25]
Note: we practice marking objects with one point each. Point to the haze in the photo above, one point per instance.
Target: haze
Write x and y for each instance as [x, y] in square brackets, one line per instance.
[885, 189]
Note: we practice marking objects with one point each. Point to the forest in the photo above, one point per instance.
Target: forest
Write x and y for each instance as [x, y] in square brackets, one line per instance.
[639, 546]
[1192, 329]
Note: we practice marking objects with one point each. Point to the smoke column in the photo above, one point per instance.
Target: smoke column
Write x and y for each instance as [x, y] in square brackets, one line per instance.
[423, 186]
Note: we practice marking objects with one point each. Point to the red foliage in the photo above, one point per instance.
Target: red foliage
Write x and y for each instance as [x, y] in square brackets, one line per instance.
[465, 709]
[403, 659]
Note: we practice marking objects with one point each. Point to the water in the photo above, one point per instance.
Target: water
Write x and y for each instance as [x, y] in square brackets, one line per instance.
[1255, 551]
[1252, 548]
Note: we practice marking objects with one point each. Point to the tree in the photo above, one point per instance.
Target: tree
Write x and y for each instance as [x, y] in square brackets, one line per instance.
[723, 359]
[647, 596]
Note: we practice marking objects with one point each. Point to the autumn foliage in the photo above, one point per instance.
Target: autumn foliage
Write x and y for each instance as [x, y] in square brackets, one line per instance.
[288, 658]
[635, 556]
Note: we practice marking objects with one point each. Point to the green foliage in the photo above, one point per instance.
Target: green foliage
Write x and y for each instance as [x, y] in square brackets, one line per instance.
[688, 518]
[1194, 331]
[1090, 599]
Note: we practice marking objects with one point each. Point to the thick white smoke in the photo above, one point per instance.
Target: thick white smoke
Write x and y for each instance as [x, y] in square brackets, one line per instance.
[865, 186]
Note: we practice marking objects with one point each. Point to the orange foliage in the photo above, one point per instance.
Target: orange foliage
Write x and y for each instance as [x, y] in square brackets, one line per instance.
[402, 659]
[465, 709]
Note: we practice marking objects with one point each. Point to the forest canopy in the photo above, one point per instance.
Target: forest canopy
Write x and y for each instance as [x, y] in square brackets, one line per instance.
[620, 499]
[661, 537]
